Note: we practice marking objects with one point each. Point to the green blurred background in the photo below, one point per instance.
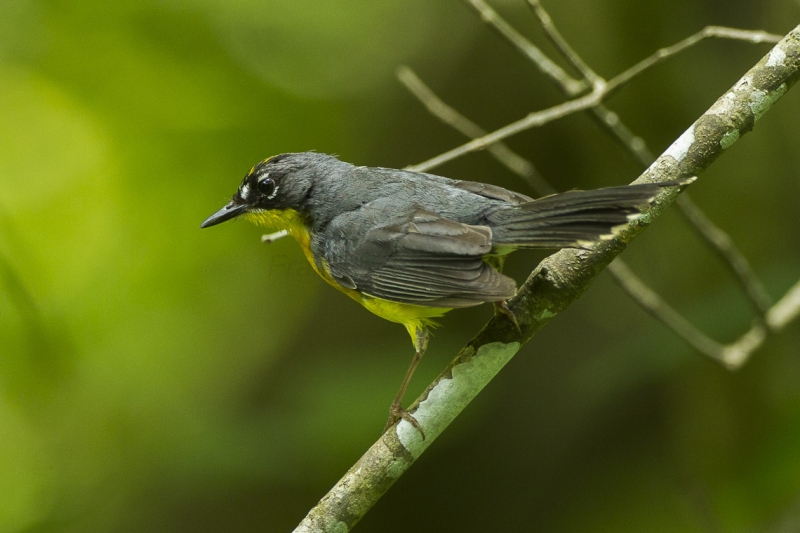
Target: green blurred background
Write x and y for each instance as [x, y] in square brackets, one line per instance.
[159, 378]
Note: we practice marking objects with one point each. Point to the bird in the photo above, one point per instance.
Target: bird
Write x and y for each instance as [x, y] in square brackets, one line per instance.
[411, 246]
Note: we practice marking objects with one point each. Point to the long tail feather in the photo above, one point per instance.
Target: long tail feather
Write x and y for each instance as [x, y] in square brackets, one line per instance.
[573, 218]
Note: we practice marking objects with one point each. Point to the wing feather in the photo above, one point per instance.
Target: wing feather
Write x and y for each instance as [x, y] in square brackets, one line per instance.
[420, 259]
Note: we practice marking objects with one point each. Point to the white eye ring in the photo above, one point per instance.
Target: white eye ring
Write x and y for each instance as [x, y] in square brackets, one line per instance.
[267, 187]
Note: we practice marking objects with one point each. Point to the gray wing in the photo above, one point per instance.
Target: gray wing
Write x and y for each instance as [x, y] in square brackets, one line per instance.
[418, 258]
[492, 191]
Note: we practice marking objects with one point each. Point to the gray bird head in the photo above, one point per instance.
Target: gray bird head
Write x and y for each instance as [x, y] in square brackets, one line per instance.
[280, 182]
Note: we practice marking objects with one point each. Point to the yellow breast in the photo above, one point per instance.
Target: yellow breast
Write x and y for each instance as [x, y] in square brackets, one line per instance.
[413, 317]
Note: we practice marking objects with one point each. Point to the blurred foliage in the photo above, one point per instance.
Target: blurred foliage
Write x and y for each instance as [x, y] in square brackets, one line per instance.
[154, 377]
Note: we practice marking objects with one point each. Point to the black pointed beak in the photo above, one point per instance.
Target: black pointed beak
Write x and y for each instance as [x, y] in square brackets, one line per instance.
[226, 213]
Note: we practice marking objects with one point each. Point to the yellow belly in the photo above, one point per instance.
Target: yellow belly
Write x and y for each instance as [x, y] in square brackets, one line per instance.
[413, 317]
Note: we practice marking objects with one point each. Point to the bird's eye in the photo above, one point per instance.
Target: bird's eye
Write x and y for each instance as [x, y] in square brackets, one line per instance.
[267, 187]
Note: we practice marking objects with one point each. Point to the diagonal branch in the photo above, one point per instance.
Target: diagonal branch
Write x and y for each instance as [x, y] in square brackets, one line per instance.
[650, 301]
[722, 244]
[719, 241]
[713, 235]
[532, 120]
[731, 355]
[609, 121]
[634, 287]
[558, 281]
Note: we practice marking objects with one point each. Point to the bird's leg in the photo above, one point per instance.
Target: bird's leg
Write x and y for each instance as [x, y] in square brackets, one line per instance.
[501, 307]
[497, 262]
[396, 411]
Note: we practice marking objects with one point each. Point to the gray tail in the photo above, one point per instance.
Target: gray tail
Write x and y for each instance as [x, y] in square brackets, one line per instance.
[573, 219]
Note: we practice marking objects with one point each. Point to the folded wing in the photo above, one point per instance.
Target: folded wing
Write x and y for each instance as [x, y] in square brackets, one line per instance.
[421, 259]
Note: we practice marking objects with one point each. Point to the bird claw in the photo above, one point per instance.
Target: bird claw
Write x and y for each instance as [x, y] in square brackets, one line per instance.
[502, 308]
[396, 412]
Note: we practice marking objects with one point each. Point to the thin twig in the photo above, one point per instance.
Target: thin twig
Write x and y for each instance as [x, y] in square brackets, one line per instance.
[777, 318]
[719, 241]
[662, 54]
[571, 87]
[586, 102]
[269, 238]
[531, 51]
[734, 354]
[438, 108]
[650, 301]
[562, 45]
[636, 289]
[785, 310]
[724, 246]
[532, 120]
[606, 118]
[712, 234]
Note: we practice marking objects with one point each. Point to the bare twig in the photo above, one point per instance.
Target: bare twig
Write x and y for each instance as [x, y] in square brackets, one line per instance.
[712, 234]
[634, 144]
[709, 231]
[557, 282]
[533, 120]
[718, 239]
[583, 103]
[272, 237]
[630, 283]
[562, 45]
[571, 87]
[438, 108]
[708, 32]
[531, 51]
[777, 318]
[785, 310]
[607, 119]
[650, 301]
[732, 355]
[724, 246]
[568, 85]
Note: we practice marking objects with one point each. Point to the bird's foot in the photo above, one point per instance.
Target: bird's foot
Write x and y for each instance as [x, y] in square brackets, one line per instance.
[502, 308]
[396, 412]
